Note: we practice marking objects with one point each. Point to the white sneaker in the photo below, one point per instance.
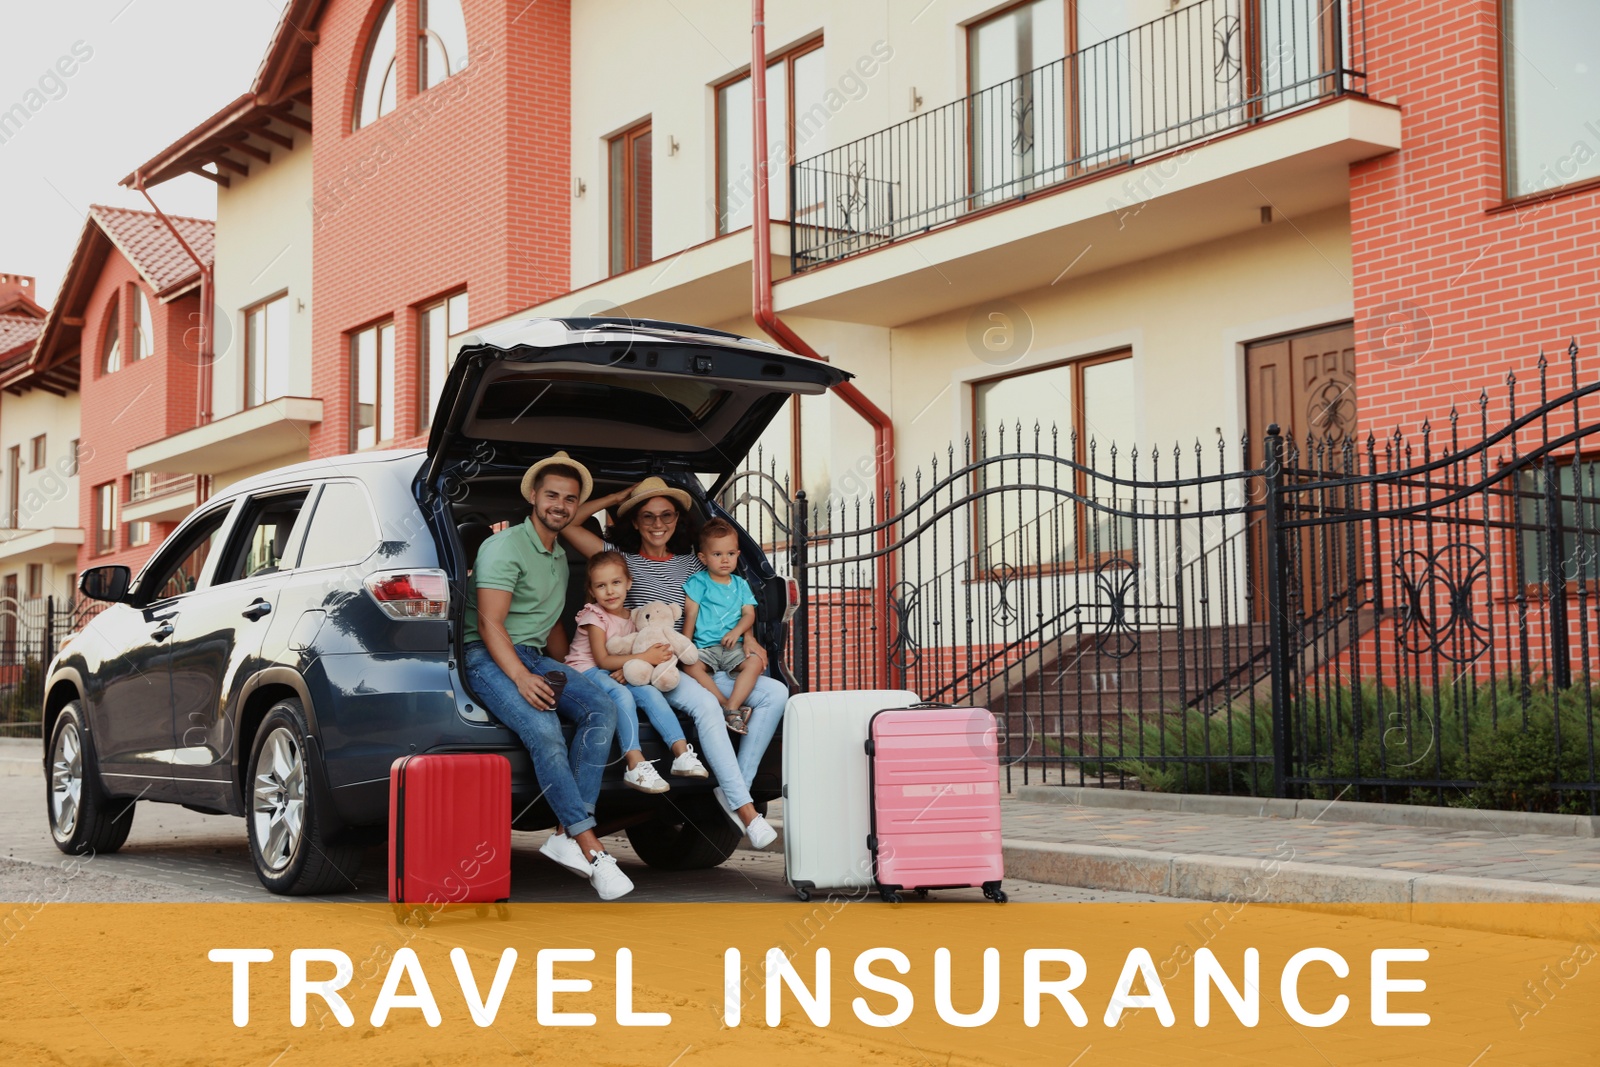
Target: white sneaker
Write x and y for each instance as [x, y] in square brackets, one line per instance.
[688, 765]
[760, 833]
[644, 778]
[607, 878]
[567, 852]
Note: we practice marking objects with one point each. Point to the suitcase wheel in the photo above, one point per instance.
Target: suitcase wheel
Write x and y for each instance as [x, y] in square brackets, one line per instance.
[803, 893]
[993, 891]
[889, 896]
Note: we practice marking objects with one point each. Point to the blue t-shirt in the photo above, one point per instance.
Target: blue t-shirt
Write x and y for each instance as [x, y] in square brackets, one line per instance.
[719, 605]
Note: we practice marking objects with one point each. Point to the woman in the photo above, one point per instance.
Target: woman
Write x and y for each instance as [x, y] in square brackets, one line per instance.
[651, 530]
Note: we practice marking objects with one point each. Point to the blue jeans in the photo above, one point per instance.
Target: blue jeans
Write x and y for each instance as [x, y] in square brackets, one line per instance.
[569, 781]
[734, 772]
[629, 699]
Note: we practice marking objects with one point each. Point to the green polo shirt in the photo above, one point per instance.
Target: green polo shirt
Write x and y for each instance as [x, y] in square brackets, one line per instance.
[516, 561]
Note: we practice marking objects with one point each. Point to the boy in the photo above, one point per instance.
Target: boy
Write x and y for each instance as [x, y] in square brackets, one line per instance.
[718, 610]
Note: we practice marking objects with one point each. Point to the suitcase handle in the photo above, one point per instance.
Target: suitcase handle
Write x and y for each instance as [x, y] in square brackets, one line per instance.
[930, 704]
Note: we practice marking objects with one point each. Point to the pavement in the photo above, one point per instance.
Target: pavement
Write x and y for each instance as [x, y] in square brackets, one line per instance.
[1059, 843]
[178, 855]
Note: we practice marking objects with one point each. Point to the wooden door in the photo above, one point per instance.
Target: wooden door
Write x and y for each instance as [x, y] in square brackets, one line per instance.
[1305, 385]
[9, 649]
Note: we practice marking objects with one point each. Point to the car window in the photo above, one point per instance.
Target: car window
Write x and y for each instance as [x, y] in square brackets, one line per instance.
[177, 570]
[261, 542]
[342, 529]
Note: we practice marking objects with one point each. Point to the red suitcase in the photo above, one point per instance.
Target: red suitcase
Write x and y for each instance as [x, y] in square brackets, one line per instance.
[935, 786]
[450, 829]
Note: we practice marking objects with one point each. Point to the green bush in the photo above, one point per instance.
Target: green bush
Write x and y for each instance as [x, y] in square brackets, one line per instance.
[1495, 741]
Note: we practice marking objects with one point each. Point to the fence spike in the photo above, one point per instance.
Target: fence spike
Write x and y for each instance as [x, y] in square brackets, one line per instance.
[1572, 357]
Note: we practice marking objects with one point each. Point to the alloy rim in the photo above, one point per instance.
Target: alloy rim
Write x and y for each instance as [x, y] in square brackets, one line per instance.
[279, 802]
[66, 780]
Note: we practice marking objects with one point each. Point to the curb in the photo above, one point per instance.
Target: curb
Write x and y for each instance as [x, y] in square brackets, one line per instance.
[1239, 881]
[1504, 822]
[17, 767]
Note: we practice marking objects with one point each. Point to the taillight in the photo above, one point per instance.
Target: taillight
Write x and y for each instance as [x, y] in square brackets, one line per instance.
[793, 590]
[411, 594]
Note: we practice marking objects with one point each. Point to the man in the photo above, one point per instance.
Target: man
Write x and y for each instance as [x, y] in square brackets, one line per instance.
[520, 589]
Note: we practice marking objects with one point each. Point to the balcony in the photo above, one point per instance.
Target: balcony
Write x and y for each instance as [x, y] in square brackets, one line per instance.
[159, 497]
[268, 435]
[1192, 122]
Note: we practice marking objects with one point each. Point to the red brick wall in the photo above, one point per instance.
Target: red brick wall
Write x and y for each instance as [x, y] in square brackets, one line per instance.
[1452, 287]
[465, 185]
[143, 402]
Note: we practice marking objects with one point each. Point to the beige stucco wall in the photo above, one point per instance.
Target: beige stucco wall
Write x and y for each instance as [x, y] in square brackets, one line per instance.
[1185, 316]
[47, 497]
[263, 248]
[631, 61]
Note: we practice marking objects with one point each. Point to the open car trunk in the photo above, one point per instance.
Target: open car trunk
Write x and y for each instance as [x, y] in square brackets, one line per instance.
[626, 397]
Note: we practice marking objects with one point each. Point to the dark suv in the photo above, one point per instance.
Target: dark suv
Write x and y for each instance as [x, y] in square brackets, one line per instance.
[301, 630]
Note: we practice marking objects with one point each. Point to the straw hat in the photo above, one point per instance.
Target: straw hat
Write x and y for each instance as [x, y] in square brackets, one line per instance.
[560, 459]
[651, 488]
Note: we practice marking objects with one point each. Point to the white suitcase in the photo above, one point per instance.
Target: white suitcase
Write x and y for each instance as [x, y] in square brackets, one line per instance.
[827, 802]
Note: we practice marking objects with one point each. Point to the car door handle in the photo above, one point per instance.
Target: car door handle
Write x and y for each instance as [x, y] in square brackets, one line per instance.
[257, 609]
[162, 632]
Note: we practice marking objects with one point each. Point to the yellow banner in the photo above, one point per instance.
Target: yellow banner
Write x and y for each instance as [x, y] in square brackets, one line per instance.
[833, 981]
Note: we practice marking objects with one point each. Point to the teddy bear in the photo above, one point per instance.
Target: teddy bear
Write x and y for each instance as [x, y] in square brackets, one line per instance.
[653, 624]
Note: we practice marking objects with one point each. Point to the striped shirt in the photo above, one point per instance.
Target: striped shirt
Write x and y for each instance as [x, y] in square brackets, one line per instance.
[658, 579]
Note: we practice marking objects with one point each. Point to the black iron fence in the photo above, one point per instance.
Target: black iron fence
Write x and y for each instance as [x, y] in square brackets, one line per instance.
[1207, 68]
[1407, 619]
[30, 632]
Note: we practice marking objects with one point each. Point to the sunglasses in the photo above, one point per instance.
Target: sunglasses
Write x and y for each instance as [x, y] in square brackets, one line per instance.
[665, 518]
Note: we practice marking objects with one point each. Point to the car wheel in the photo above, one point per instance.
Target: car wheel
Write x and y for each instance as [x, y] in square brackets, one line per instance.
[689, 835]
[83, 819]
[282, 820]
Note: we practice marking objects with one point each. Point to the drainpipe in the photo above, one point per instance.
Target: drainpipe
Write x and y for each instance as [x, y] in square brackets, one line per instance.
[767, 319]
[203, 412]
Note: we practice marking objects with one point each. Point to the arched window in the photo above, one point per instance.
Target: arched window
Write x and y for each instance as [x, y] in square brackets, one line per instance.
[444, 41]
[110, 344]
[376, 96]
[144, 338]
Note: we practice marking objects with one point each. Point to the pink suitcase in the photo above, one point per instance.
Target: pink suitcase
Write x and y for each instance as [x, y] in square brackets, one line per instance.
[935, 786]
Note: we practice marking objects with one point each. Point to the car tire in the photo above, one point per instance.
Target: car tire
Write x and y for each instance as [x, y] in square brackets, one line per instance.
[84, 820]
[690, 834]
[282, 818]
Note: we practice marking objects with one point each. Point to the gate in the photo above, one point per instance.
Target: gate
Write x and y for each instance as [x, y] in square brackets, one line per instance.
[1400, 620]
[30, 631]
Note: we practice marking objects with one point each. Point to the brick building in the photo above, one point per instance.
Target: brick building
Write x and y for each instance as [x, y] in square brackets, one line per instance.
[128, 317]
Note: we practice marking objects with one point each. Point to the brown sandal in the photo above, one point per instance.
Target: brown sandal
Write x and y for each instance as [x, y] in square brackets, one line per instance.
[736, 719]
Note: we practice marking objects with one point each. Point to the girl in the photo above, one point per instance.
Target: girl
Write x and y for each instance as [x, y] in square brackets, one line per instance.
[652, 526]
[601, 619]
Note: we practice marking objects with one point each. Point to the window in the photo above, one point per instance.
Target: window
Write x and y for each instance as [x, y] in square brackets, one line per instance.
[179, 571]
[1018, 125]
[1551, 74]
[438, 323]
[266, 351]
[110, 348]
[372, 385]
[105, 518]
[36, 455]
[630, 199]
[444, 41]
[796, 121]
[342, 530]
[1092, 398]
[35, 581]
[72, 458]
[137, 488]
[1576, 487]
[144, 337]
[262, 544]
[375, 96]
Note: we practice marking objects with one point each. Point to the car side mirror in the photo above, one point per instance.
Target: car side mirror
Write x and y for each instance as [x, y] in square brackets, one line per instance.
[109, 583]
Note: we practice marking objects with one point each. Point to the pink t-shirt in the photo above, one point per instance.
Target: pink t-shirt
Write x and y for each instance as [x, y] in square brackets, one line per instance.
[580, 657]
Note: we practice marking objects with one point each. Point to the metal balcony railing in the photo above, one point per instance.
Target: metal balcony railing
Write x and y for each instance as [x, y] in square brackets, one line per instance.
[1207, 68]
[149, 486]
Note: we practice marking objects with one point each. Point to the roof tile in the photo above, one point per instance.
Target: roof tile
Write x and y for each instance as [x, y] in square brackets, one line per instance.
[17, 330]
[150, 247]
